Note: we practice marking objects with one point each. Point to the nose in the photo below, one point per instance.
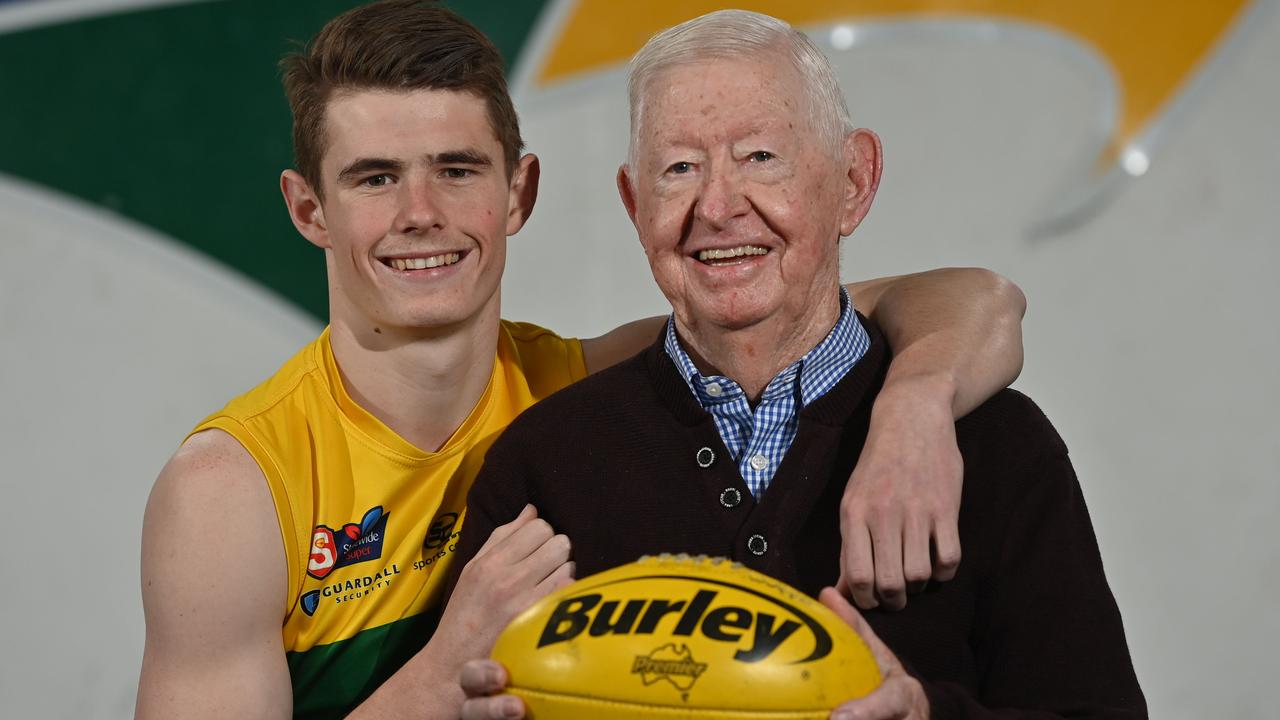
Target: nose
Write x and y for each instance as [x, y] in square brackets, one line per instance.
[419, 210]
[722, 196]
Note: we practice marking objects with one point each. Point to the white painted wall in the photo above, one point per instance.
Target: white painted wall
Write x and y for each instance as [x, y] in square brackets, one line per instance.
[116, 342]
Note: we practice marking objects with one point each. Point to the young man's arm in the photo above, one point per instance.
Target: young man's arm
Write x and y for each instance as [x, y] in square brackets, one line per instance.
[214, 594]
[956, 336]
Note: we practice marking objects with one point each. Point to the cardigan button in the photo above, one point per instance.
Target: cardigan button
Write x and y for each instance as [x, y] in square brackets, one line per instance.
[730, 497]
[705, 457]
[757, 544]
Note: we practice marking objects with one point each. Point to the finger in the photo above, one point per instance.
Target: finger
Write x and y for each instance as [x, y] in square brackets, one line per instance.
[482, 677]
[502, 532]
[563, 576]
[546, 559]
[886, 544]
[842, 582]
[916, 566]
[494, 708]
[946, 541]
[524, 542]
[859, 569]
[888, 702]
[841, 607]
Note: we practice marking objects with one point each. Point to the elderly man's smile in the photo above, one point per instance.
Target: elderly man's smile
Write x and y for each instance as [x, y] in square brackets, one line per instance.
[730, 256]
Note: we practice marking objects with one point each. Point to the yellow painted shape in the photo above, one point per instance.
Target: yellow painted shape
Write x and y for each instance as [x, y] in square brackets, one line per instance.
[1151, 46]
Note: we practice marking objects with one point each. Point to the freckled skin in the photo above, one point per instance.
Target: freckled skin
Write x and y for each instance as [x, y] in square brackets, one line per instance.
[724, 159]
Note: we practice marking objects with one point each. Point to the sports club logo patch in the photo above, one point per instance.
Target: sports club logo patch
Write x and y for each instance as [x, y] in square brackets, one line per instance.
[441, 530]
[351, 544]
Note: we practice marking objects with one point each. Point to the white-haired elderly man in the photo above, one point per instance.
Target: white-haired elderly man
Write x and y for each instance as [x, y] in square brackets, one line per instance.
[733, 434]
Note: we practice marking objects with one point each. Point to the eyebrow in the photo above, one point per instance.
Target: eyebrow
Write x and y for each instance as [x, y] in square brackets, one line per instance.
[467, 156]
[363, 166]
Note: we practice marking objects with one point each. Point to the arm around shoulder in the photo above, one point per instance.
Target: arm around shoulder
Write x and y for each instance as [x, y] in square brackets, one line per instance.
[961, 325]
[213, 590]
[620, 343]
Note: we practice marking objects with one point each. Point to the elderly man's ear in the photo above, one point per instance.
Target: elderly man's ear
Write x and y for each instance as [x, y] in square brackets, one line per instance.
[625, 192]
[863, 163]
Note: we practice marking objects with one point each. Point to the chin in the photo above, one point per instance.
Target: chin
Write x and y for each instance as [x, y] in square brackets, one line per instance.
[728, 317]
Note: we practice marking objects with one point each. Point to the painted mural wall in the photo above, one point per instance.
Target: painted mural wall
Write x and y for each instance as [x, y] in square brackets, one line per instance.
[1119, 161]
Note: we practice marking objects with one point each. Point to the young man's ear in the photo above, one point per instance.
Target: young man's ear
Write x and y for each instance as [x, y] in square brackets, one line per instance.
[524, 192]
[863, 163]
[304, 208]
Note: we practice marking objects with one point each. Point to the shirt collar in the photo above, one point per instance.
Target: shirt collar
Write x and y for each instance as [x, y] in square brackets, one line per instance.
[816, 372]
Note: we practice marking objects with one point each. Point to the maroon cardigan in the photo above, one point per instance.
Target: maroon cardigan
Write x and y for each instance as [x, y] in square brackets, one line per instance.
[1027, 629]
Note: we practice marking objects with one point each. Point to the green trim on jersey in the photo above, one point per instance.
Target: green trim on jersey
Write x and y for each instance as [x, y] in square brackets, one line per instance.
[331, 680]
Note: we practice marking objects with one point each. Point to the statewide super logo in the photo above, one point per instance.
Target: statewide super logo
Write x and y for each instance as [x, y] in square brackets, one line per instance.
[667, 636]
[352, 543]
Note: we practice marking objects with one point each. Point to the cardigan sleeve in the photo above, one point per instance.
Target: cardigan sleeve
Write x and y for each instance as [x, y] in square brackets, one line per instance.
[497, 496]
[1054, 644]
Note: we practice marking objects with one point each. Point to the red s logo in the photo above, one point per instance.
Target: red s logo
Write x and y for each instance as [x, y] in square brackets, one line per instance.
[323, 553]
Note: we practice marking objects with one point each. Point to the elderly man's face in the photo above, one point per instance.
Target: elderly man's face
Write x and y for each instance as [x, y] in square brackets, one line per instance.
[737, 200]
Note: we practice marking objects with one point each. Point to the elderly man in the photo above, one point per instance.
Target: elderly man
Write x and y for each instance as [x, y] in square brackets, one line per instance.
[733, 433]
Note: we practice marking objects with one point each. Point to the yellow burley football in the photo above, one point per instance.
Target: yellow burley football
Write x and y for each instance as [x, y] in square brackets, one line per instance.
[679, 637]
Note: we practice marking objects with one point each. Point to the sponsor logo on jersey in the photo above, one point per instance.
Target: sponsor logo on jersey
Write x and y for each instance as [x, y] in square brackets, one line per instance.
[348, 590]
[351, 544]
[671, 662]
[441, 530]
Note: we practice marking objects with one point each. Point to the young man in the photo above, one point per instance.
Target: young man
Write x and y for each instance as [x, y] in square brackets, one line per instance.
[296, 545]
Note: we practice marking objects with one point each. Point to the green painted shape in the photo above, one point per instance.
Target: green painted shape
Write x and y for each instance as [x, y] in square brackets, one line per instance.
[175, 117]
[331, 680]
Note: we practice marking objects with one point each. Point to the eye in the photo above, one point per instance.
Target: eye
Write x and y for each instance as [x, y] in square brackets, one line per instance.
[760, 156]
[381, 180]
[456, 173]
[680, 168]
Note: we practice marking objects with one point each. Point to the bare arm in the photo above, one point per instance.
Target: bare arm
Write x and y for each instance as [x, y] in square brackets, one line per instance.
[956, 336]
[620, 343]
[214, 595]
[956, 330]
[212, 592]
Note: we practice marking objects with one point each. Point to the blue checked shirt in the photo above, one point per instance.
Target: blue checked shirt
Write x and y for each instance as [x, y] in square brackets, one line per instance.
[757, 439]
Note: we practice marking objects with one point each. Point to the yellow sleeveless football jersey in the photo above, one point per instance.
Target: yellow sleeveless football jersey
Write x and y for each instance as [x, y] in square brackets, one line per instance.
[369, 521]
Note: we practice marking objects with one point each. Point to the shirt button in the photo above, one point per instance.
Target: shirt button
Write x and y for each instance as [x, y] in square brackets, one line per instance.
[757, 544]
[714, 390]
[730, 497]
[759, 462]
[705, 457]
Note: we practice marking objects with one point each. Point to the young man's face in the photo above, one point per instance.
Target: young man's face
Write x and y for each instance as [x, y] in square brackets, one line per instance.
[417, 208]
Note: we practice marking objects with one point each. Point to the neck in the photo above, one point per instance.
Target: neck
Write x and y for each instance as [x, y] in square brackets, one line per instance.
[752, 356]
[421, 383]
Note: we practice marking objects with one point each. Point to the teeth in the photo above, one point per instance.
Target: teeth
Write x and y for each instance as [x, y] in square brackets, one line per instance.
[730, 253]
[423, 263]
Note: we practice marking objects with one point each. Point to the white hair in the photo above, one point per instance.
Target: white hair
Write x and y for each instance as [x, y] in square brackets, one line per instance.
[741, 34]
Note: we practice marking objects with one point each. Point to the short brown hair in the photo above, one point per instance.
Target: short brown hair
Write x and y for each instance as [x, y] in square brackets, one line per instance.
[394, 45]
